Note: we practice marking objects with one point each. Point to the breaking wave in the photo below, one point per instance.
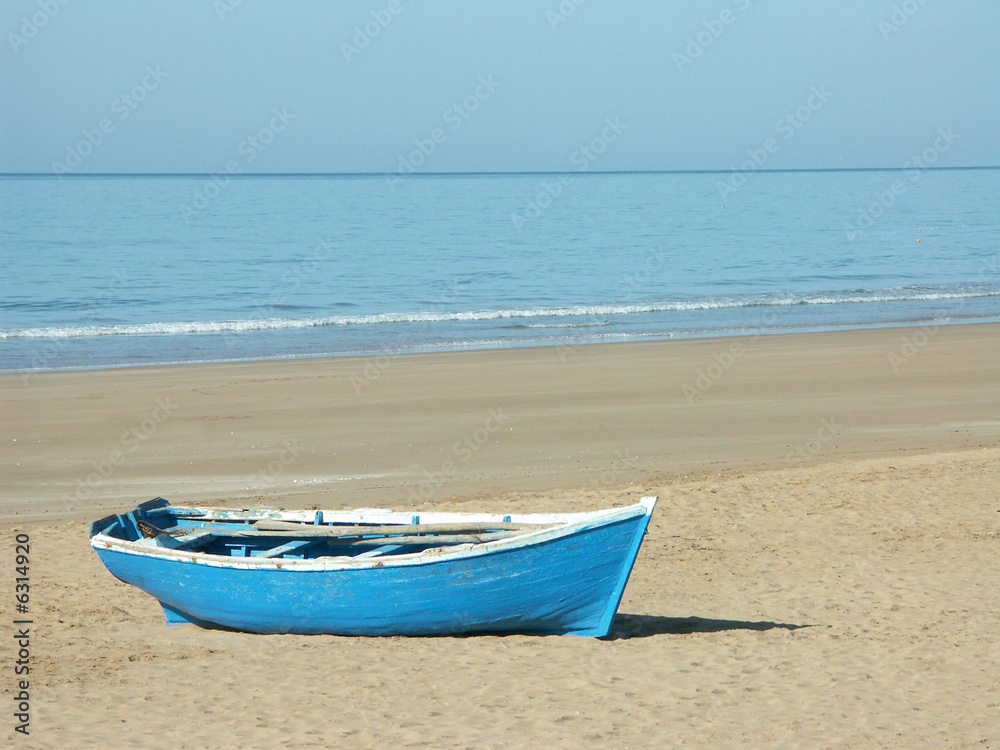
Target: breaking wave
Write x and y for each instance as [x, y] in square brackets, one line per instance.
[541, 313]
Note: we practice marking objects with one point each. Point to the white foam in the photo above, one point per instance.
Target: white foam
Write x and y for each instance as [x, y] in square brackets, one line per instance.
[861, 296]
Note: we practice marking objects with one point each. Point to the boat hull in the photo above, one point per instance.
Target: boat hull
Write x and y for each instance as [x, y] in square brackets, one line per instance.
[568, 583]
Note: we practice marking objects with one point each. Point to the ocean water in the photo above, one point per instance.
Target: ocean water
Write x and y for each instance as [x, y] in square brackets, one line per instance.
[112, 271]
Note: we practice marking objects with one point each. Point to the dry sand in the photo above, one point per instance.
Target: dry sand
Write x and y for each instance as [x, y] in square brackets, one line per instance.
[821, 570]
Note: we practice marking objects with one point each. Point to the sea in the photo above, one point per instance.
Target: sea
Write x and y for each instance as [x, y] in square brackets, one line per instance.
[114, 271]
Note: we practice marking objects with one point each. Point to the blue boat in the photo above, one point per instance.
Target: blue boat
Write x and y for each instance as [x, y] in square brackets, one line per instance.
[374, 572]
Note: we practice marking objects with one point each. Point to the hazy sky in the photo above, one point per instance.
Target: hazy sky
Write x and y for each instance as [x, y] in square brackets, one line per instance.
[504, 85]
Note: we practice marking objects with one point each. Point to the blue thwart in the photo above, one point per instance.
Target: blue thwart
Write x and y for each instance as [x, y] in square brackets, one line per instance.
[375, 572]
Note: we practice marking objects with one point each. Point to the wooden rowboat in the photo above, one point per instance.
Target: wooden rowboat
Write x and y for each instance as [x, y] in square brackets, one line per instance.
[377, 572]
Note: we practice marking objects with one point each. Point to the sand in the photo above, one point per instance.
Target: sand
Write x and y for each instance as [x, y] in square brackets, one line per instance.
[821, 570]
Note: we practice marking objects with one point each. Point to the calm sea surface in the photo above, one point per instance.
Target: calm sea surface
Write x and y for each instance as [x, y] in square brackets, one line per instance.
[107, 271]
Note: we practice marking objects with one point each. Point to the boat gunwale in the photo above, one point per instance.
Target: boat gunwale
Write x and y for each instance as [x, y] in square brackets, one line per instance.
[575, 523]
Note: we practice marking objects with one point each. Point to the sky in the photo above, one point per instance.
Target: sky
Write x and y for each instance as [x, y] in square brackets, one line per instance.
[200, 86]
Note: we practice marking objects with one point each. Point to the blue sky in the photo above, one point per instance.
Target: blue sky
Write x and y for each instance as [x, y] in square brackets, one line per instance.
[448, 86]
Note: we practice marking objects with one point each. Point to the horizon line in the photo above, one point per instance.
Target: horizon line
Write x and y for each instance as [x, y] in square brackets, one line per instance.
[398, 175]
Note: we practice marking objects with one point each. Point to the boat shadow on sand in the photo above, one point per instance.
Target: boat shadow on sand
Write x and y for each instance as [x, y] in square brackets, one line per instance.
[643, 626]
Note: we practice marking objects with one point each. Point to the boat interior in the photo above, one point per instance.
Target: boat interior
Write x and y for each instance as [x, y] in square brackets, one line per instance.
[185, 529]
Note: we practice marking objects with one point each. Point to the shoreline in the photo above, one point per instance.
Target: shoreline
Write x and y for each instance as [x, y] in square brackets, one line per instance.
[629, 338]
[420, 428]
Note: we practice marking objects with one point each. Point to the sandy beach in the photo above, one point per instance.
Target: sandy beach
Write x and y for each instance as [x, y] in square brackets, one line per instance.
[821, 570]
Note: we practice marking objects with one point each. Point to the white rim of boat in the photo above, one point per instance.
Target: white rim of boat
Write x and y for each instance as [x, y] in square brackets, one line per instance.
[568, 523]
